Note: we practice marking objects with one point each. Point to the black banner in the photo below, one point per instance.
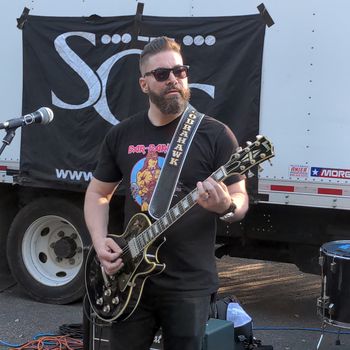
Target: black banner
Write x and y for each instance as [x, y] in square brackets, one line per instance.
[86, 71]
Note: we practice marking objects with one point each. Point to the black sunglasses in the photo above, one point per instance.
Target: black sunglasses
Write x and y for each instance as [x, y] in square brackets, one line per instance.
[162, 74]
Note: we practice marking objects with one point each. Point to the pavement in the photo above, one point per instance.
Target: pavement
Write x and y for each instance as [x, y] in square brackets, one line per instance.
[280, 299]
[282, 302]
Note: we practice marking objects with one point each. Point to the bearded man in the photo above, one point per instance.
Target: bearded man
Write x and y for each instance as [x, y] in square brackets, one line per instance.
[178, 299]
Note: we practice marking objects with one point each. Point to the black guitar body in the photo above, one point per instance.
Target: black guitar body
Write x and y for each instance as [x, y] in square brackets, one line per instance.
[114, 298]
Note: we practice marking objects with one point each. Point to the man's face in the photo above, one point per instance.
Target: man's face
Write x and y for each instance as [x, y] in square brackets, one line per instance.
[169, 96]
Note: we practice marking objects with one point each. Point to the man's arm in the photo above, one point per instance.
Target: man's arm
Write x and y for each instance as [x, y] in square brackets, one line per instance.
[96, 211]
[217, 197]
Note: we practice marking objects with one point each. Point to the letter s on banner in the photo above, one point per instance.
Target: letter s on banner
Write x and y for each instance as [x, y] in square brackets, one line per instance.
[80, 67]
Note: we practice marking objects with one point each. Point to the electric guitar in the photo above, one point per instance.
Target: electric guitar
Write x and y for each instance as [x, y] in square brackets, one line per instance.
[115, 297]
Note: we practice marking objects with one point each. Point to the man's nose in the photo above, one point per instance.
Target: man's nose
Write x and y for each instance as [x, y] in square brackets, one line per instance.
[172, 77]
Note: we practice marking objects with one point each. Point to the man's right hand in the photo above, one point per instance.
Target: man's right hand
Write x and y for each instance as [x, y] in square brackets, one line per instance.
[109, 252]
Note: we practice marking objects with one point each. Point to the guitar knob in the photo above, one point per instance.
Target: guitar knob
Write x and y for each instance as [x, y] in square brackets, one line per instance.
[106, 308]
[115, 301]
[99, 301]
[107, 292]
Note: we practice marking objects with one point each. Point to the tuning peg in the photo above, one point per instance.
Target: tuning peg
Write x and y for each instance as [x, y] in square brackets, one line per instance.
[250, 174]
[249, 143]
[269, 160]
[260, 168]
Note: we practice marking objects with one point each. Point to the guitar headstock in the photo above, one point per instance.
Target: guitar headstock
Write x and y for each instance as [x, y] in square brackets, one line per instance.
[253, 154]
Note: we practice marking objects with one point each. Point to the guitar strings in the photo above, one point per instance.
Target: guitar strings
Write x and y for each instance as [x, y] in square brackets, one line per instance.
[140, 241]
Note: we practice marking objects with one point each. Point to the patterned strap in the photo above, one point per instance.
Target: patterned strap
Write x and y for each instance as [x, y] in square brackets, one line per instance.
[174, 160]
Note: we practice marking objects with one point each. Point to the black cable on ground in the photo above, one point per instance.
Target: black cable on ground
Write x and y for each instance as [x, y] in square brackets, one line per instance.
[74, 330]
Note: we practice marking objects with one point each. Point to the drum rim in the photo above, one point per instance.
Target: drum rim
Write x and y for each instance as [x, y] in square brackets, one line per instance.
[324, 249]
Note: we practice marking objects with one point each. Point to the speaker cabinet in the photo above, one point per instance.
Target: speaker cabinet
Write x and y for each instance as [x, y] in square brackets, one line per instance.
[219, 334]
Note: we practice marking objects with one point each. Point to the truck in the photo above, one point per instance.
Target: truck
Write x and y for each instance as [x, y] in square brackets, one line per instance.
[279, 69]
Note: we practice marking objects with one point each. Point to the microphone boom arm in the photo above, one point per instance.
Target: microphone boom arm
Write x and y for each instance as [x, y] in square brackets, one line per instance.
[10, 134]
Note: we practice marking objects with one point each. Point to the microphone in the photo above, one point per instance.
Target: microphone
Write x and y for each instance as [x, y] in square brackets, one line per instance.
[43, 115]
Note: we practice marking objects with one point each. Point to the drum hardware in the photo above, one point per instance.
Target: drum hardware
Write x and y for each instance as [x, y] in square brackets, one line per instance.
[334, 303]
[321, 260]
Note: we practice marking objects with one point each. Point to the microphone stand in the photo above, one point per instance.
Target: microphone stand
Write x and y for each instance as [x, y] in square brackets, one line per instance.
[10, 134]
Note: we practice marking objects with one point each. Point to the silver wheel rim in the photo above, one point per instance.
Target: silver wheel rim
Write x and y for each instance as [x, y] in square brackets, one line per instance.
[39, 254]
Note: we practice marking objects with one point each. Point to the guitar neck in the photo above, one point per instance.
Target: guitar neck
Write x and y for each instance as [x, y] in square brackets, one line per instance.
[173, 214]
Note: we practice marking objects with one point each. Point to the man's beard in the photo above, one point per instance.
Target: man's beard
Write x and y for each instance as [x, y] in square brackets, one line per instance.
[171, 105]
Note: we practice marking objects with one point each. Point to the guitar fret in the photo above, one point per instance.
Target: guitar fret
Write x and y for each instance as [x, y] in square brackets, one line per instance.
[149, 234]
[185, 203]
[165, 221]
[169, 218]
[161, 224]
[176, 211]
[138, 243]
[172, 215]
[156, 229]
[191, 199]
[181, 208]
[142, 241]
[218, 175]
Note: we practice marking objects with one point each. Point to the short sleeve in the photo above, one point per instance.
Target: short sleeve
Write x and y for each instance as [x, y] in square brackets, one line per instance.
[107, 169]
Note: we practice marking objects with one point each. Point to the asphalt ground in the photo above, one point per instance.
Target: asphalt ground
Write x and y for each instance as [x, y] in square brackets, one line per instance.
[280, 299]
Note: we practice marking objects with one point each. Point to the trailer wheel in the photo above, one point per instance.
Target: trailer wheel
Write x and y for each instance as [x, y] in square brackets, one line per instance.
[45, 250]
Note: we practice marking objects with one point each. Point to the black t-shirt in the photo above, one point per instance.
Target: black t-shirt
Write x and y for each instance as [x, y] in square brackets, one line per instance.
[134, 151]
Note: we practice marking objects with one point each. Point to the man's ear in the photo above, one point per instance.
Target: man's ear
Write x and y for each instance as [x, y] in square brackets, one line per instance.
[143, 85]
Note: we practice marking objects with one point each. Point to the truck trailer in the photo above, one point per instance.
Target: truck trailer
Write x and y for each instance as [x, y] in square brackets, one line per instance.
[276, 68]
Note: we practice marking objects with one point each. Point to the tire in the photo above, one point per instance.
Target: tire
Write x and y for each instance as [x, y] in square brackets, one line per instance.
[45, 250]
[8, 206]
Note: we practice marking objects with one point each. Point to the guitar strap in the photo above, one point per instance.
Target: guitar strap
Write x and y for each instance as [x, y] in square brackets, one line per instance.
[174, 160]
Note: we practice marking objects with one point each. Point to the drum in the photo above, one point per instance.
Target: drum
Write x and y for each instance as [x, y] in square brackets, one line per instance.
[334, 304]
